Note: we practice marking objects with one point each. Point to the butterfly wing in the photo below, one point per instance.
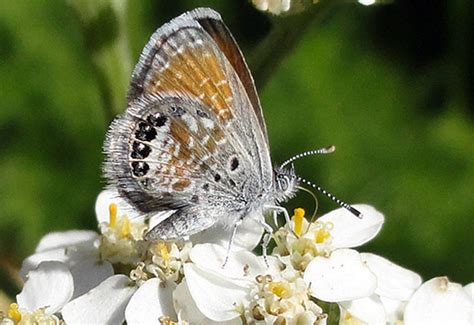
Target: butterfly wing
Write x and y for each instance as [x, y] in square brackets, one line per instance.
[191, 139]
[215, 27]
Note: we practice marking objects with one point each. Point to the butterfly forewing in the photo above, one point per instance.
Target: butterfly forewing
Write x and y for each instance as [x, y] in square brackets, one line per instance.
[191, 138]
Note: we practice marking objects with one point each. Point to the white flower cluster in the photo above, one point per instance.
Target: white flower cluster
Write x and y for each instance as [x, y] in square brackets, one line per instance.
[280, 7]
[80, 277]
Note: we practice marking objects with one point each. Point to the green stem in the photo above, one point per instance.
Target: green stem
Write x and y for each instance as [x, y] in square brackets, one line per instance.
[103, 25]
[284, 37]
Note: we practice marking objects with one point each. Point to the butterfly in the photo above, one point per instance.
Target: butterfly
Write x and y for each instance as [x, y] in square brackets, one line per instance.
[193, 138]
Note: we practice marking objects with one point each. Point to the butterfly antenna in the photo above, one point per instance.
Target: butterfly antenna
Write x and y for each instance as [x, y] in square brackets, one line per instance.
[342, 204]
[320, 151]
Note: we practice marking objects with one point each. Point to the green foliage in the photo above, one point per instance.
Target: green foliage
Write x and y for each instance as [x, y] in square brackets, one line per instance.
[64, 68]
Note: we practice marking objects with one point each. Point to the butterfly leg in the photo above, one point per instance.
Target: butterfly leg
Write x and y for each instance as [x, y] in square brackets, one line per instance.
[231, 240]
[276, 209]
[266, 239]
[275, 218]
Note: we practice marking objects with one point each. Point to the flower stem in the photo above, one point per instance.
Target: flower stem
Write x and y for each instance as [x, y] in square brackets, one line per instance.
[103, 26]
[284, 37]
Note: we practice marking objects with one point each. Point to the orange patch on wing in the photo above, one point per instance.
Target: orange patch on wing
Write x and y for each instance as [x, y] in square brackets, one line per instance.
[196, 71]
[181, 184]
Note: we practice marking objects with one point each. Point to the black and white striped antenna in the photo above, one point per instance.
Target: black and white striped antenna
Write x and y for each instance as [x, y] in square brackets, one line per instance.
[324, 150]
[342, 204]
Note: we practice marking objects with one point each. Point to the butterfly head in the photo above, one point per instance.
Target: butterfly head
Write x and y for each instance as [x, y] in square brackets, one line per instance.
[285, 182]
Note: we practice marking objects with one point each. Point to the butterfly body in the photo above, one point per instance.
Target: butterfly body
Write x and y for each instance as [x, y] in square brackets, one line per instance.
[193, 139]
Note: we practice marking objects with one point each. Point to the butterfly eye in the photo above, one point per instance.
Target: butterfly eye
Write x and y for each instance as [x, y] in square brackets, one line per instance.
[283, 182]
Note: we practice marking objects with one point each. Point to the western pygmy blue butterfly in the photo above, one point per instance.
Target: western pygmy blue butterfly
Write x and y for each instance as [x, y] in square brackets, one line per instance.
[193, 138]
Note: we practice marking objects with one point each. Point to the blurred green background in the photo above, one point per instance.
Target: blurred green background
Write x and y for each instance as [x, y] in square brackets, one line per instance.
[391, 86]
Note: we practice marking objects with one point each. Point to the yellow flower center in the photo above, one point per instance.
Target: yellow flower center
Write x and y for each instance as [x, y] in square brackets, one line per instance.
[124, 227]
[298, 220]
[323, 232]
[165, 320]
[280, 289]
[14, 313]
[112, 214]
[164, 252]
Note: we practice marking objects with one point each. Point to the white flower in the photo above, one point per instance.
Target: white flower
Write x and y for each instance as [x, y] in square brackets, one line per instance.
[152, 301]
[77, 249]
[122, 229]
[71, 275]
[368, 288]
[340, 277]
[105, 304]
[334, 230]
[244, 288]
[47, 289]
[275, 7]
[439, 301]
[334, 272]
[157, 268]
[395, 286]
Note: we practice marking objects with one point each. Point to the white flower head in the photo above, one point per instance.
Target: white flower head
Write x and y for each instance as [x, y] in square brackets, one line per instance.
[184, 282]
[303, 241]
[245, 288]
[47, 289]
[439, 301]
[121, 229]
[275, 7]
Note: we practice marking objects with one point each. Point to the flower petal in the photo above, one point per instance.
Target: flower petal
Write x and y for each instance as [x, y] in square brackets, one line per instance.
[103, 201]
[369, 310]
[33, 261]
[188, 311]
[248, 235]
[85, 266]
[393, 281]
[350, 231]
[341, 277]
[105, 304]
[89, 272]
[151, 301]
[50, 285]
[239, 263]
[469, 289]
[216, 296]
[393, 309]
[82, 238]
[439, 301]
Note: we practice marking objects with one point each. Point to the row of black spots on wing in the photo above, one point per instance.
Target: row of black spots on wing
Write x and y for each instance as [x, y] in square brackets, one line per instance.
[140, 150]
[157, 119]
[140, 168]
[145, 132]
